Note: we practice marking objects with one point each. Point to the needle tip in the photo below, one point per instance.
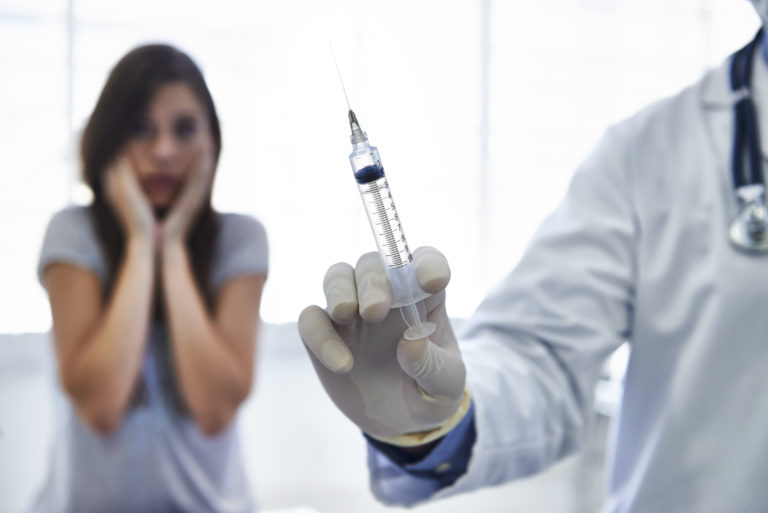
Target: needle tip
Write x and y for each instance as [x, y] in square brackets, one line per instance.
[336, 63]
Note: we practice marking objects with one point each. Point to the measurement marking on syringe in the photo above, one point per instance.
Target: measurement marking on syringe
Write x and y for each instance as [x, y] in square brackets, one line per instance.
[385, 224]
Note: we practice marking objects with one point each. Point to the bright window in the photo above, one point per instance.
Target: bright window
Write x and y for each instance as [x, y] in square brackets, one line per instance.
[481, 111]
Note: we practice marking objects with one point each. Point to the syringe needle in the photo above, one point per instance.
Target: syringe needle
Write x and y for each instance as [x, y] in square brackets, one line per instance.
[339, 73]
[393, 249]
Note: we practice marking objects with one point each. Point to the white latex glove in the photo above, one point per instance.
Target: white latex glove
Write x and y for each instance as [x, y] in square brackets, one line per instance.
[405, 392]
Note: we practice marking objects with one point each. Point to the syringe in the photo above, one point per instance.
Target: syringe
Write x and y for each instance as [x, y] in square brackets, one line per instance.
[390, 239]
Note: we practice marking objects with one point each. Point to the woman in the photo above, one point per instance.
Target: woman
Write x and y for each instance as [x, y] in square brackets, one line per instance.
[155, 303]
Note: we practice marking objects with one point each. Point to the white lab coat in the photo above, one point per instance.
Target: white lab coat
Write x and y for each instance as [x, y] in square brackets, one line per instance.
[637, 251]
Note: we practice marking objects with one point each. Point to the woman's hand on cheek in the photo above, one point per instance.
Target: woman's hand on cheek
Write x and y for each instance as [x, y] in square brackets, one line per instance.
[195, 191]
[127, 199]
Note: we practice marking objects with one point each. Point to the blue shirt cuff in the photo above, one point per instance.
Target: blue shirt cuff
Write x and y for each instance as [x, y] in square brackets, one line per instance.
[445, 463]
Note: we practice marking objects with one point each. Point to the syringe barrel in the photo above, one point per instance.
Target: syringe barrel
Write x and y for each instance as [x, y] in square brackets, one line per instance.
[365, 161]
[385, 224]
[404, 284]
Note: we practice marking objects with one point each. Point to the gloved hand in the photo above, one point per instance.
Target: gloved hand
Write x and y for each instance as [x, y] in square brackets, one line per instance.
[401, 391]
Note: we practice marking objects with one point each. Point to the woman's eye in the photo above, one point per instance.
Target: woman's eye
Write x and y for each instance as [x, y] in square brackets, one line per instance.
[142, 129]
[185, 128]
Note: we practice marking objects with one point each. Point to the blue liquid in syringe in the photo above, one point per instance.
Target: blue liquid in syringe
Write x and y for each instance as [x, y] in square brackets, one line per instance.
[369, 174]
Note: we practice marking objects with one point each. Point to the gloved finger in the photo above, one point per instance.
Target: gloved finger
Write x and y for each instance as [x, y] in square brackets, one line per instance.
[317, 333]
[374, 294]
[439, 371]
[341, 293]
[432, 270]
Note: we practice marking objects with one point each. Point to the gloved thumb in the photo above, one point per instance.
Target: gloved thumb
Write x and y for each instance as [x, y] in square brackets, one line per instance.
[439, 371]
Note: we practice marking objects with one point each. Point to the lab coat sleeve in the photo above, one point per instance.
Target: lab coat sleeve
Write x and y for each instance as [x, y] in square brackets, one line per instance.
[535, 347]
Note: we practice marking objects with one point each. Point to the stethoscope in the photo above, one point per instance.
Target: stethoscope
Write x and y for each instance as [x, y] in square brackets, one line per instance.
[749, 228]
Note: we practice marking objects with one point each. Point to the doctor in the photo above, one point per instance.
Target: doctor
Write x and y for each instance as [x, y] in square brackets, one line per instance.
[660, 241]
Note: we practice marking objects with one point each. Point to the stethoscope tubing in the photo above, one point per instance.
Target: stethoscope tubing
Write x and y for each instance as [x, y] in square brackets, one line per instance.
[746, 137]
[748, 230]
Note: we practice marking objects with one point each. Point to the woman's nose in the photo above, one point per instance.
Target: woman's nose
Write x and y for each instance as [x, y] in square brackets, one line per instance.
[164, 147]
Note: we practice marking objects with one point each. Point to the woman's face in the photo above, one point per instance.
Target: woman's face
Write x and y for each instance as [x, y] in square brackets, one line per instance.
[167, 142]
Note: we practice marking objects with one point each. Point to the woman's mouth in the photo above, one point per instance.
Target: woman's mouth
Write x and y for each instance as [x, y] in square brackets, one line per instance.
[160, 183]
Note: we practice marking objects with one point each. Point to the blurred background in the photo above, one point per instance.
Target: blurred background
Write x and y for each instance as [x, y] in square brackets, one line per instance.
[481, 110]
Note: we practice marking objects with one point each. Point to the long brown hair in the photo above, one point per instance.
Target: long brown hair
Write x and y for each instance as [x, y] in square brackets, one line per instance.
[130, 87]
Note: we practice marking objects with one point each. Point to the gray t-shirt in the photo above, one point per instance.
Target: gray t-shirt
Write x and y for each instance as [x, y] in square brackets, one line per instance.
[157, 461]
